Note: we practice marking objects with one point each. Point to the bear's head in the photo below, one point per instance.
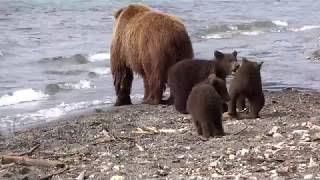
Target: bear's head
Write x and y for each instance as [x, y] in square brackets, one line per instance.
[220, 87]
[253, 65]
[131, 11]
[226, 63]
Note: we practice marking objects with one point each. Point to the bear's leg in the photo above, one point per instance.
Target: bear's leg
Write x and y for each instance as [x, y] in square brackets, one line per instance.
[157, 86]
[169, 101]
[232, 109]
[146, 89]
[180, 102]
[206, 128]
[197, 125]
[241, 104]
[217, 127]
[123, 81]
[254, 107]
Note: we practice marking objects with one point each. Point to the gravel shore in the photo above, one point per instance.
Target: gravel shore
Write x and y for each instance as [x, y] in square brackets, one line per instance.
[156, 142]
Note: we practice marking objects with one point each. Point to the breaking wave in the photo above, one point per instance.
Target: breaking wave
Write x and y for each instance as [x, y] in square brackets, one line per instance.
[21, 96]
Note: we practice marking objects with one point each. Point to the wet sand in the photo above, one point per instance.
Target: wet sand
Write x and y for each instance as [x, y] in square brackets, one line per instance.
[156, 142]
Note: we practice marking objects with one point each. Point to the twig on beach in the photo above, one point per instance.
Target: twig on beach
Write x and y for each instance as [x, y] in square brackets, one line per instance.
[30, 151]
[240, 130]
[54, 174]
[81, 176]
[23, 160]
[56, 155]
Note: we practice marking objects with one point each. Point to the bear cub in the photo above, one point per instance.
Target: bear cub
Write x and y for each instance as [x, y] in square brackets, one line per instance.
[246, 85]
[205, 106]
[187, 73]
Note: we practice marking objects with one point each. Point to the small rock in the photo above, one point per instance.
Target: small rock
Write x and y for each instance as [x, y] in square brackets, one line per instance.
[24, 170]
[116, 177]
[232, 156]
[277, 135]
[300, 132]
[309, 176]
[283, 171]
[258, 138]
[161, 172]
[273, 131]
[316, 137]
[312, 163]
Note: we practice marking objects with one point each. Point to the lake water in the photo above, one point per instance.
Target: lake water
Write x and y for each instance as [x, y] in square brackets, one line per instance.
[54, 55]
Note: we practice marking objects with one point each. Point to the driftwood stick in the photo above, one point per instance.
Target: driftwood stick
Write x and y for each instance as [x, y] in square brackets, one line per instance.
[240, 130]
[30, 151]
[6, 159]
[48, 177]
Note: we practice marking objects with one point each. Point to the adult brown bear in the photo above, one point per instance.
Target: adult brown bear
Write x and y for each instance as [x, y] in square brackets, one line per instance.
[148, 43]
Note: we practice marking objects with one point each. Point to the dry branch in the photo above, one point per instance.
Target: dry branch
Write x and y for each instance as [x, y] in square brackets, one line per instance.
[6, 159]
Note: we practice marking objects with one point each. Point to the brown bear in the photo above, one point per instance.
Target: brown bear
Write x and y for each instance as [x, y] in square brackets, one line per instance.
[205, 106]
[146, 42]
[246, 84]
[185, 74]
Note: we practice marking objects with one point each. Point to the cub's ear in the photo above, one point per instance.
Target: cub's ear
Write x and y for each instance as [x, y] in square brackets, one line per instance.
[218, 55]
[235, 53]
[260, 64]
[117, 13]
[245, 60]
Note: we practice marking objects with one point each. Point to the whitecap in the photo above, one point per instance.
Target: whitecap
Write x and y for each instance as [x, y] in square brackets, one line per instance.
[217, 36]
[1, 54]
[82, 84]
[102, 71]
[20, 96]
[99, 57]
[304, 28]
[280, 23]
[251, 33]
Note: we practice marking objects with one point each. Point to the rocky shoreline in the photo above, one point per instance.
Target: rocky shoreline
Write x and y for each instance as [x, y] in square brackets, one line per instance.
[156, 142]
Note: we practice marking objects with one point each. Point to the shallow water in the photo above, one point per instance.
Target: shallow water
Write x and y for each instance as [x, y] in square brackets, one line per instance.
[54, 55]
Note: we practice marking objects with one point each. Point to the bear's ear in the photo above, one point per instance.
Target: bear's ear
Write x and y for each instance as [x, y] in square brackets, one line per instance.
[218, 55]
[245, 60]
[235, 53]
[260, 64]
[117, 13]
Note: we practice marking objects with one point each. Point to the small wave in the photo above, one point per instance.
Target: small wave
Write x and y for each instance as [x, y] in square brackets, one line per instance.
[82, 84]
[1, 54]
[280, 23]
[99, 72]
[304, 28]
[99, 57]
[252, 33]
[21, 96]
[75, 59]
[217, 36]
[68, 72]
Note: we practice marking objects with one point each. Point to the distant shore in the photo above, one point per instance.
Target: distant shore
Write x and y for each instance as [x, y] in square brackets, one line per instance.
[144, 142]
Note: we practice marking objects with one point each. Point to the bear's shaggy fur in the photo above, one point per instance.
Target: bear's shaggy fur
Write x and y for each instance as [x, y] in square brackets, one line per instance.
[148, 43]
[247, 85]
[205, 106]
[185, 74]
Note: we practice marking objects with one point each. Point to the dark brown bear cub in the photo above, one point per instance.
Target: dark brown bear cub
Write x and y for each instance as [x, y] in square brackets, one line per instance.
[205, 106]
[247, 85]
[185, 74]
